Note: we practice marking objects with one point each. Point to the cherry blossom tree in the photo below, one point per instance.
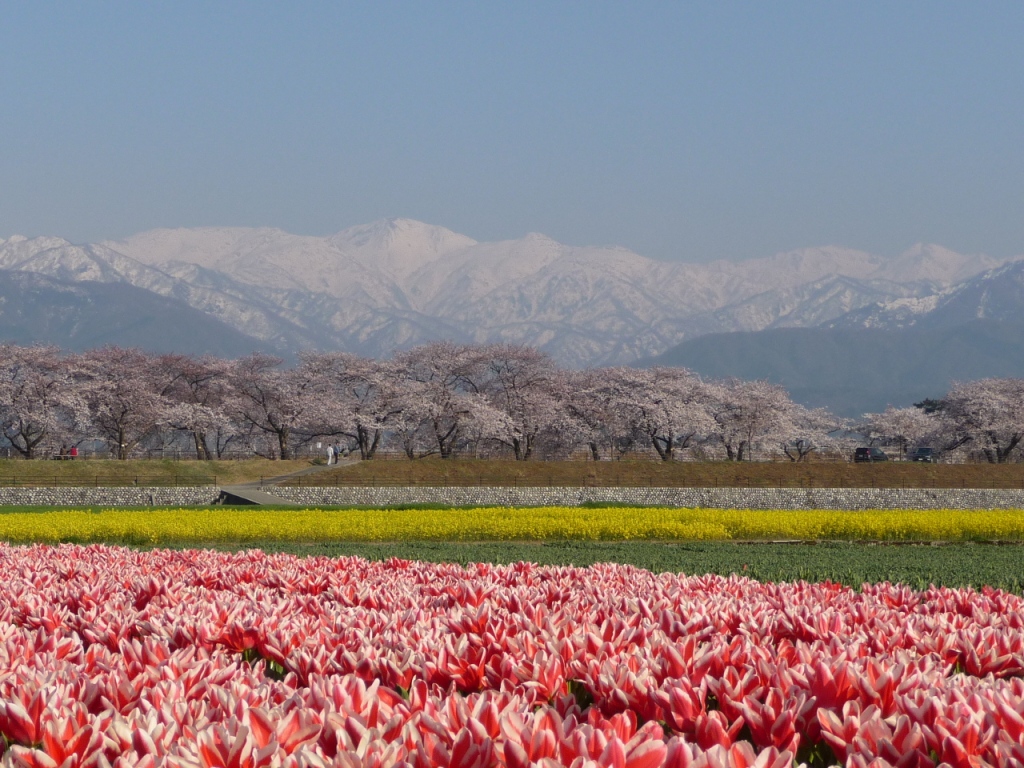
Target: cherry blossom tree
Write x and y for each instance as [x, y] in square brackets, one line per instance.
[590, 401]
[806, 430]
[410, 431]
[676, 409]
[41, 404]
[899, 426]
[987, 414]
[362, 397]
[669, 407]
[523, 384]
[441, 397]
[748, 413]
[197, 390]
[122, 393]
[438, 398]
[277, 403]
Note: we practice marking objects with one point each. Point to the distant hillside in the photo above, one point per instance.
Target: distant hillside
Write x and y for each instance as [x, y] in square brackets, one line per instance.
[857, 370]
[83, 315]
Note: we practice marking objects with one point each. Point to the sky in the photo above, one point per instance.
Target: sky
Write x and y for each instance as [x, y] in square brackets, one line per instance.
[683, 131]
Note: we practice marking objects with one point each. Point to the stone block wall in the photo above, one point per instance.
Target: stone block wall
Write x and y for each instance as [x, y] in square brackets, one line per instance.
[719, 498]
[78, 496]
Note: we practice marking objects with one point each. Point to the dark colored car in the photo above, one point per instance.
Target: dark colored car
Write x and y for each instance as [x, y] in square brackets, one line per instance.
[870, 454]
[922, 453]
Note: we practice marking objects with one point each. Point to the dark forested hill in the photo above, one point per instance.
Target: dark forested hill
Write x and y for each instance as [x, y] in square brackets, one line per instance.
[858, 370]
[84, 315]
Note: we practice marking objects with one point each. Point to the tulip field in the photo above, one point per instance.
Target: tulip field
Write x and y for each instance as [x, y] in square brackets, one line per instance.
[111, 656]
[117, 657]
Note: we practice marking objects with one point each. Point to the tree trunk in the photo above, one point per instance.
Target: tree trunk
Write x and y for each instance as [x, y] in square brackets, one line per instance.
[202, 452]
[282, 442]
[595, 454]
[1003, 454]
[663, 445]
[377, 434]
[368, 445]
[29, 450]
[446, 442]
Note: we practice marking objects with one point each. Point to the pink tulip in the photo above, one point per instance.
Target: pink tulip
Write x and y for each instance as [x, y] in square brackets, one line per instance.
[194, 659]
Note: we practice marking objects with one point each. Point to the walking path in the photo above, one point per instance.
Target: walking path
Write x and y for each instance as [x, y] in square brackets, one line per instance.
[253, 493]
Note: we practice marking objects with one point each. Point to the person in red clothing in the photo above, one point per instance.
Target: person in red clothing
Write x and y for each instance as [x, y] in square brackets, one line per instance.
[73, 453]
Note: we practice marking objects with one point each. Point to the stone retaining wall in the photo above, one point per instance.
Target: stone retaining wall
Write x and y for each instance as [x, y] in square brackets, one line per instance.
[720, 498]
[78, 496]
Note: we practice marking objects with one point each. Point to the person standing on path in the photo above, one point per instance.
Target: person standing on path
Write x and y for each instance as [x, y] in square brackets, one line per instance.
[330, 454]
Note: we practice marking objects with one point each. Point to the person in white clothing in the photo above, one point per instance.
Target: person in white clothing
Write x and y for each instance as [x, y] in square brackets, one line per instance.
[330, 454]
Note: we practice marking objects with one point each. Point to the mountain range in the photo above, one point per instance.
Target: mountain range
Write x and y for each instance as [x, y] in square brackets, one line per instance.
[889, 353]
[391, 284]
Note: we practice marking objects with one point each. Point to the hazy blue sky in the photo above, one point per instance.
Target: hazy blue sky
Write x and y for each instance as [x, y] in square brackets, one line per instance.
[690, 131]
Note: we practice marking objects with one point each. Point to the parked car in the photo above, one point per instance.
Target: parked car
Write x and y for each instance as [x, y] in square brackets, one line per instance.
[870, 454]
[922, 453]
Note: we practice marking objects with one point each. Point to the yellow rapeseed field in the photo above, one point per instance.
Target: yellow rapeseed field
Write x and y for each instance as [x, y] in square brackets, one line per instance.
[191, 526]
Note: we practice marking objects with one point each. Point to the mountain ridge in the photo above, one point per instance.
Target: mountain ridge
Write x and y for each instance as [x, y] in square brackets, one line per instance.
[393, 283]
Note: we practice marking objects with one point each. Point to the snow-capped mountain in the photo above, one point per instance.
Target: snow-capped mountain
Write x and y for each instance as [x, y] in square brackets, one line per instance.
[997, 295]
[394, 283]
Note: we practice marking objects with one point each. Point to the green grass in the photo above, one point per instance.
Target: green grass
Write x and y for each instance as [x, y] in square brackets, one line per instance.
[853, 564]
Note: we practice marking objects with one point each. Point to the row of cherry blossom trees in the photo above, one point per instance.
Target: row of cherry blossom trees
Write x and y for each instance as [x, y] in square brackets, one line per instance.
[982, 418]
[449, 399]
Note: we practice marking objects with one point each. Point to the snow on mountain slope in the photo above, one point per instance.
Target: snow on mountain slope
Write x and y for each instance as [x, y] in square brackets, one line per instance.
[933, 263]
[60, 259]
[997, 294]
[802, 306]
[785, 270]
[394, 283]
[399, 247]
[476, 270]
[265, 257]
[211, 247]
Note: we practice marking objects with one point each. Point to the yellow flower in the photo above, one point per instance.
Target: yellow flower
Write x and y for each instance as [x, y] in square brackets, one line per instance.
[192, 526]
